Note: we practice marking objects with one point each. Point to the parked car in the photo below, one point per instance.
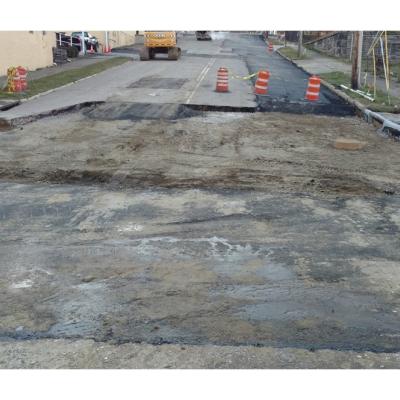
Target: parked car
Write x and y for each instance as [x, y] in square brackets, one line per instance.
[90, 40]
[64, 40]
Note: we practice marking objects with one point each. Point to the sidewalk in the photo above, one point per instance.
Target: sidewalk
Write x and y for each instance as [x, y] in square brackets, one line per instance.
[317, 63]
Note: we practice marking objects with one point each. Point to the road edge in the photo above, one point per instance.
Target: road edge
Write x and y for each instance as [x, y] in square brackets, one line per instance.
[79, 353]
[361, 110]
[9, 123]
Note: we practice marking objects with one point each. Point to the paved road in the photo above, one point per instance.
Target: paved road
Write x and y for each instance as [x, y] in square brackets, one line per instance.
[287, 83]
[192, 81]
[199, 267]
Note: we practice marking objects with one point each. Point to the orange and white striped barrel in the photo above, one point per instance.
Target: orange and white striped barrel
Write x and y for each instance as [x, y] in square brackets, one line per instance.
[270, 47]
[222, 80]
[17, 83]
[314, 84]
[261, 86]
[22, 73]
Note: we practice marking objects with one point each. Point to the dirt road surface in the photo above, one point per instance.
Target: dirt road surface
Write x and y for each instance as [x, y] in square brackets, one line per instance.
[265, 151]
[221, 229]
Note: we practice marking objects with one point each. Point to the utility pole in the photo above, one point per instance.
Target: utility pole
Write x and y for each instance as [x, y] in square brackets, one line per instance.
[300, 45]
[83, 44]
[356, 56]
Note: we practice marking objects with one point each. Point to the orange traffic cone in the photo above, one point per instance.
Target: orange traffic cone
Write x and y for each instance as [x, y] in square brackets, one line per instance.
[222, 80]
[314, 84]
[261, 86]
[270, 47]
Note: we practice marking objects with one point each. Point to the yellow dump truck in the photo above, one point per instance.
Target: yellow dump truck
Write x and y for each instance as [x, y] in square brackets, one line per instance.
[159, 42]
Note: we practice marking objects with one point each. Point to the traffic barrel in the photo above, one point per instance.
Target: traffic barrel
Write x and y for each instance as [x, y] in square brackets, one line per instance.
[17, 83]
[313, 88]
[261, 86]
[11, 72]
[270, 47]
[222, 80]
[22, 73]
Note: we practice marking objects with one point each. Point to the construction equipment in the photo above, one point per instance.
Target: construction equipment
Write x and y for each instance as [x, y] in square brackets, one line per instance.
[160, 42]
[203, 35]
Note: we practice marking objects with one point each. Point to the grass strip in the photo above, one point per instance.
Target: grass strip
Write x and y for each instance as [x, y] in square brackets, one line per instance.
[63, 78]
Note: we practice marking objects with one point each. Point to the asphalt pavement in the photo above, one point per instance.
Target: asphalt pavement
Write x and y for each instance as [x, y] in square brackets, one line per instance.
[287, 83]
[191, 81]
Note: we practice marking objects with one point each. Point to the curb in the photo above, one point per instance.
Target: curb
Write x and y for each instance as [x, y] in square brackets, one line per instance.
[66, 85]
[6, 124]
[360, 107]
[361, 110]
[9, 105]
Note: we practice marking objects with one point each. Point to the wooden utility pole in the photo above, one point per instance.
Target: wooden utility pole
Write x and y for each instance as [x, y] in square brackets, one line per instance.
[356, 56]
[300, 45]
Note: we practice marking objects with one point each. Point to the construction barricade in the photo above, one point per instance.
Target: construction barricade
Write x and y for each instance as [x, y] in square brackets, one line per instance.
[222, 80]
[17, 79]
[313, 88]
[261, 86]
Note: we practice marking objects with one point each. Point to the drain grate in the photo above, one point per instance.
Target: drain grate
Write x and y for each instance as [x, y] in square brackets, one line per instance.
[155, 82]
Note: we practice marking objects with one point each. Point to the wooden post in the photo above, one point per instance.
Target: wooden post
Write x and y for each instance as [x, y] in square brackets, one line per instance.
[360, 49]
[356, 56]
[300, 44]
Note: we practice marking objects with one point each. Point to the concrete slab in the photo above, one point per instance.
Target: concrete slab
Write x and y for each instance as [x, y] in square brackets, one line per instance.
[240, 93]
[199, 69]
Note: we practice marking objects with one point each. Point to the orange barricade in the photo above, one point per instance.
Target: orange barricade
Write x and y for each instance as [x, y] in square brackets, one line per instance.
[222, 80]
[314, 84]
[261, 86]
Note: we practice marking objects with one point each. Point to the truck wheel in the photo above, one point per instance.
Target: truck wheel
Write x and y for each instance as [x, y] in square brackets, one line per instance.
[144, 54]
[152, 53]
[174, 53]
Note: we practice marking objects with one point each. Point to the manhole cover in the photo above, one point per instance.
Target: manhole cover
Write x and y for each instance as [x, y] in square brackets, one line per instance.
[154, 82]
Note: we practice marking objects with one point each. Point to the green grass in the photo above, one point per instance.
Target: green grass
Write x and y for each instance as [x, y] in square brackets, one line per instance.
[51, 82]
[291, 53]
[381, 100]
[324, 54]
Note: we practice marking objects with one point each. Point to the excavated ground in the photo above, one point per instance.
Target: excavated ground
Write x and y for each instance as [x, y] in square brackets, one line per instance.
[219, 240]
[274, 151]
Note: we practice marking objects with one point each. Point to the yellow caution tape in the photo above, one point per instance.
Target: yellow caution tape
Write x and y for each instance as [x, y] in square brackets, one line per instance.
[243, 77]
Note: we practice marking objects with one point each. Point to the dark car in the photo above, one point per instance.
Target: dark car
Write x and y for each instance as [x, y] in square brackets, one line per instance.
[203, 35]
